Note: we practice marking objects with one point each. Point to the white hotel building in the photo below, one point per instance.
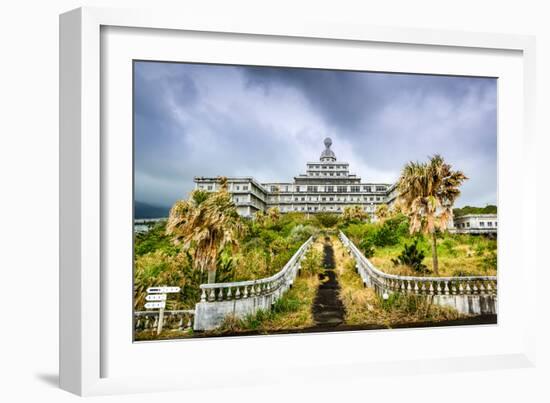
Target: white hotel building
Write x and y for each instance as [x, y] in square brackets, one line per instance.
[327, 186]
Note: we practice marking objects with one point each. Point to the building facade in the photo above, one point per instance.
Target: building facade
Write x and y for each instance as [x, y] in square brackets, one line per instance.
[326, 186]
[475, 224]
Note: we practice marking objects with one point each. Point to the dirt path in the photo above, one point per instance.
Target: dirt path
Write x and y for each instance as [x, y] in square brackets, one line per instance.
[328, 310]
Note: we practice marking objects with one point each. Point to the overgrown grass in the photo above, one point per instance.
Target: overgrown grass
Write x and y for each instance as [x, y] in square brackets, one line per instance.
[458, 254]
[364, 307]
[151, 334]
[292, 311]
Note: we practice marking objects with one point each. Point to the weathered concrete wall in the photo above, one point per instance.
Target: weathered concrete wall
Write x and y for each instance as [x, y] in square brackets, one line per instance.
[465, 304]
[209, 315]
[469, 304]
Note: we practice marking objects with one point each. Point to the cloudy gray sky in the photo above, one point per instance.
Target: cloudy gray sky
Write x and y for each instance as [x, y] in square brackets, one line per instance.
[210, 120]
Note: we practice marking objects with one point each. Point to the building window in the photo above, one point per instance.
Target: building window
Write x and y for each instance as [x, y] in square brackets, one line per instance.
[380, 188]
[342, 189]
[495, 223]
[323, 199]
[366, 188]
[482, 224]
[468, 224]
[209, 187]
[330, 188]
[245, 187]
[356, 188]
[489, 224]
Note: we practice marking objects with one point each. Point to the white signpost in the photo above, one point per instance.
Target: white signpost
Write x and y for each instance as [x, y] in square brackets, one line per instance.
[156, 297]
[155, 305]
[157, 300]
[162, 290]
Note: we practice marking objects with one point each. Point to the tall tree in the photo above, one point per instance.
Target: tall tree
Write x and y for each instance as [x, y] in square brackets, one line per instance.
[206, 225]
[426, 193]
[274, 214]
[354, 213]
[382, 212]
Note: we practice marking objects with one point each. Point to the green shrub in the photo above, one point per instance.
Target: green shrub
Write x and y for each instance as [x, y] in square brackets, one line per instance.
[411, 257]
[367, 247]
[153, 240]
[327, 220]
[312, 263]
[480, 249]
[449, 245]
[489, 261]
[300, 233]
[385, 236]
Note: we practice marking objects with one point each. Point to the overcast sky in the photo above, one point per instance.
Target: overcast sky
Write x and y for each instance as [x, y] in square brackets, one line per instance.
[208, 120]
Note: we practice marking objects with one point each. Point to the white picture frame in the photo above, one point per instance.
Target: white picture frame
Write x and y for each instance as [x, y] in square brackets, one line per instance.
[87, 306]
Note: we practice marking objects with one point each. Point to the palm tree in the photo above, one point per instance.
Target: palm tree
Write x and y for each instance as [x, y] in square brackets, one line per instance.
[206, 225]
[260, 217]
[352, 213]
[426, 193]
[274, 214]
[382, 212]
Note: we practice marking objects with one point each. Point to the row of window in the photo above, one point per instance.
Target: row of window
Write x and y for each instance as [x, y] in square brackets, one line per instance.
[328, 198]
[337, 166]
[234, 187]
[314, 208]
[482, 224]
[329, 189]
[326, 173]
[311, 189]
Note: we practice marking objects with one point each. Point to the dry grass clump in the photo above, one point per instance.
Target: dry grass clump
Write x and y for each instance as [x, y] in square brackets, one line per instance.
[364, 307]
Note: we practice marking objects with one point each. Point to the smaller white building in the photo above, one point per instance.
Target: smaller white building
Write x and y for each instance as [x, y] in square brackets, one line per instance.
[476, 224]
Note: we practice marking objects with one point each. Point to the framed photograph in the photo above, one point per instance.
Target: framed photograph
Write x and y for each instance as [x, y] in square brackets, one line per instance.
[256, 195]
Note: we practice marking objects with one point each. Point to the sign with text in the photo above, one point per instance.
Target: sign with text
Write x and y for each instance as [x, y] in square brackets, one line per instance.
[162, 290]
[156, 297]
[155, 305]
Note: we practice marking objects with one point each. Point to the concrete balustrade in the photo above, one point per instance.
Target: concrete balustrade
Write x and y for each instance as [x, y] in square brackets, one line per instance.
[239, 299]
[468, 295]
[172, 320]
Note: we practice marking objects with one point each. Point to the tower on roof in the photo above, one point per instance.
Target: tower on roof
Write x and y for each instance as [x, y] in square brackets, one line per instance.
[328, 155]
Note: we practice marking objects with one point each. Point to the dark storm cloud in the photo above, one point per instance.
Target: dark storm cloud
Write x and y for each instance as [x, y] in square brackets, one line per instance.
[203, 120]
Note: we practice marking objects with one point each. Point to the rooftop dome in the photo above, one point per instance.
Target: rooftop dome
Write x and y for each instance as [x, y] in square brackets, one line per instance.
[328, 154]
